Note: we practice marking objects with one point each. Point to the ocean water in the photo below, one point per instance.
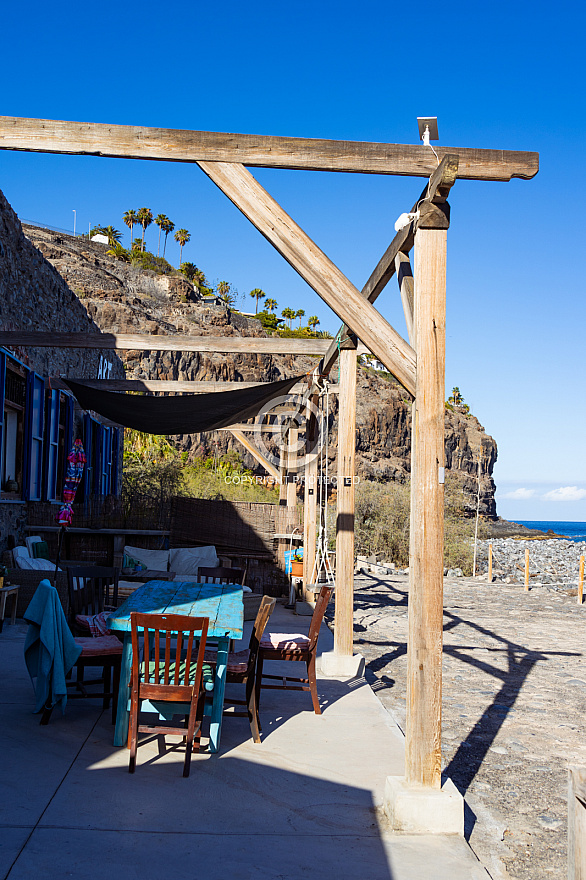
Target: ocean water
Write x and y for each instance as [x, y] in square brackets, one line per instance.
[575, 531]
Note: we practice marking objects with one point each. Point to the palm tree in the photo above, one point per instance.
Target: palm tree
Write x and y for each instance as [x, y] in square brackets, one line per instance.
[189, 270]
[161, 220]
[168, 227]
[199, 279]
[271, 304]
[114, 235]
[313, 322]
[300, 314]
[224, 291]
[130, 219]
[257, 294]
[288, 314]
[145, 218]
[456, 398]
[182, 236]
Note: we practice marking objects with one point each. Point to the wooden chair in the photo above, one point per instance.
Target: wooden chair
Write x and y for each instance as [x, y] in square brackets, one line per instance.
[168, 673]
[92, 591]
[241, 668]
[283, 646]
[220, 575]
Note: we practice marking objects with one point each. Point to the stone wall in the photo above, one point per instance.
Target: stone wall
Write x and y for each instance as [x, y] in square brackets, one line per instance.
[34, 296]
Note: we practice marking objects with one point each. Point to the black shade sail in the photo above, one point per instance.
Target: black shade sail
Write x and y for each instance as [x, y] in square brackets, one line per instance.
[180, 414]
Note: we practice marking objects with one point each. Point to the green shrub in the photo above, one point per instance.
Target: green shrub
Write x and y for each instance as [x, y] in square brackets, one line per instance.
[381, 525]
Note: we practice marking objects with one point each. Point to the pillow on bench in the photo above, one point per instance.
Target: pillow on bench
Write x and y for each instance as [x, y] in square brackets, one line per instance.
[187, 560]
[155, 560]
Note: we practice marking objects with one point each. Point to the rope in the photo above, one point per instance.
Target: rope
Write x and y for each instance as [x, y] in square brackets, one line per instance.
[322, 560]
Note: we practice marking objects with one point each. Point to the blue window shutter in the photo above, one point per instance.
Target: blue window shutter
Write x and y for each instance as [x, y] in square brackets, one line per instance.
[34, 430]
[98, 456]
[69, 418]
[107, 461]
[2, 385]
[114, 487]
[52, 446]
[87, 442]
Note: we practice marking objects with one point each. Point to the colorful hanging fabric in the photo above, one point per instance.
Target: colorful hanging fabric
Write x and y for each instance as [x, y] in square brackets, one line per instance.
[76, 460]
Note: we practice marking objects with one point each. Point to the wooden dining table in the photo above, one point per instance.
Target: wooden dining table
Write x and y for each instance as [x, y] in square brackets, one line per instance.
[222, 604]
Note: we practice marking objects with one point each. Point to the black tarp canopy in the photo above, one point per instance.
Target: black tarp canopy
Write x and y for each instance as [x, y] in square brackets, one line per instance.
[180, 414]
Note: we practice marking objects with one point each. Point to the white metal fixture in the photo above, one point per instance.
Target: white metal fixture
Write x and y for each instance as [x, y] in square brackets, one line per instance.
[428, 129]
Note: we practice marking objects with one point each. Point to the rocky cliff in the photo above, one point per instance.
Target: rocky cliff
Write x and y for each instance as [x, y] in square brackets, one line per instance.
[119, 298]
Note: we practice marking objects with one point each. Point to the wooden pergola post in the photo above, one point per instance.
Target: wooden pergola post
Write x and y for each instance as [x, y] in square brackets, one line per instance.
[426, 563]
[344, 614]
[343, 661]
[310, 499]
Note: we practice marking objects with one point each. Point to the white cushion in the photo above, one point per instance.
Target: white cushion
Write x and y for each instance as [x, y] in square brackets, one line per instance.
[187, 560]
[156, 560]
[20, 554]
[36, 564]
[32, 539]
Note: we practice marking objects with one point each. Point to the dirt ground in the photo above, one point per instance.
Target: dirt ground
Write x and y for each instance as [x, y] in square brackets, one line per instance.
[514, 698]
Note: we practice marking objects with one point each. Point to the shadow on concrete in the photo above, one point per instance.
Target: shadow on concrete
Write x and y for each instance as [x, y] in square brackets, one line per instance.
[71, 809]
[472, 751]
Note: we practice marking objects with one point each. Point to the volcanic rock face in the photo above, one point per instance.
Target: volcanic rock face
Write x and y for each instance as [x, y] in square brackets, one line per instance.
[121, 299]
[34, 296]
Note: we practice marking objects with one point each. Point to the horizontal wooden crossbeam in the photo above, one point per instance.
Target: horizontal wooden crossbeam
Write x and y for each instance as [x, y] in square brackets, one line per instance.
[171, 385]
[177, 342]
[175, 145]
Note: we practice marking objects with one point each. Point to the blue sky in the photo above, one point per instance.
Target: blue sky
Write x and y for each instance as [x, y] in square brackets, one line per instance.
[496, 75]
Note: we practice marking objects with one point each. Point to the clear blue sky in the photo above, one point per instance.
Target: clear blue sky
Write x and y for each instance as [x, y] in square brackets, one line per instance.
[499, 75]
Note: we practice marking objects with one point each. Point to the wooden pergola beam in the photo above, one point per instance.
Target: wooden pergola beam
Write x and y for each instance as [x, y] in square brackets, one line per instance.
[436, 191]
[177, 342]
[170, 385]
[405, 280]
[315, 268]
[262, 151]
[251, 448]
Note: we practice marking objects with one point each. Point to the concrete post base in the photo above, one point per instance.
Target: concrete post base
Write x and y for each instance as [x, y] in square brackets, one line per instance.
[341, 665]
[423, 810]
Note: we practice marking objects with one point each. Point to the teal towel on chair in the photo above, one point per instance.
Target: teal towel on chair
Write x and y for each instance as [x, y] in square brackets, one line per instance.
[49, 650]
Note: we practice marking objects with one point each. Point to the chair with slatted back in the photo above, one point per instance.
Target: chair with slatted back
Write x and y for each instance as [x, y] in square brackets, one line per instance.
[241, 668]
[295, 646]
[220, 575]
[93, 590]
[168, 667]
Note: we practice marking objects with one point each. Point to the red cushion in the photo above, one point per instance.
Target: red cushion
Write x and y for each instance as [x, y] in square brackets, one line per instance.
[93, 647]
[96, 623]
[237, 661]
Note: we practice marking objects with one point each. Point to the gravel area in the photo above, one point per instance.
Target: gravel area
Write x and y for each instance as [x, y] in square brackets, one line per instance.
[513, 707]
[551, 562]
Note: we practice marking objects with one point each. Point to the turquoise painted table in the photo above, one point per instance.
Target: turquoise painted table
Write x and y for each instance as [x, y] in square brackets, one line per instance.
[221, 603]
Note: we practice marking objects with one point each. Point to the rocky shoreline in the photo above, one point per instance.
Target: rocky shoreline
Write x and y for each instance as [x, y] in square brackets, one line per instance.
[552, 562]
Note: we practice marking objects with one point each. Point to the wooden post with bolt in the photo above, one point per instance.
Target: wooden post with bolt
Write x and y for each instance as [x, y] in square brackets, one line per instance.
[344, 596]
[490, 563]
[527, 570]
[581, 582]
[426, 563]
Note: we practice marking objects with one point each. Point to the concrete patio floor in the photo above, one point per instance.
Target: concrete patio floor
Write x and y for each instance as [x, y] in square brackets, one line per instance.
[304, 803]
